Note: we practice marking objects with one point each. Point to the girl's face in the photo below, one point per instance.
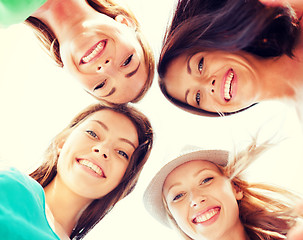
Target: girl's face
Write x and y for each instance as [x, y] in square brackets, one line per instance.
[95, 156]
[202, 201]
[105, 56]
[213, 81]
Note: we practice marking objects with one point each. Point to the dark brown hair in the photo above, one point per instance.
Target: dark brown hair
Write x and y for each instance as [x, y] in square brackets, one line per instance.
[111, 9]
[100, 207]
[226, 25]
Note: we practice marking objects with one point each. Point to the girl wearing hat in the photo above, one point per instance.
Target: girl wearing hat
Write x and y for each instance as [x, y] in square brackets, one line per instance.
[224, 56]
[203, 196]
[89, 166]
[97, 41]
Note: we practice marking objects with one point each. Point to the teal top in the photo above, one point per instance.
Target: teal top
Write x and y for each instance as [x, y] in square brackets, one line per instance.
[22, 208]
[16, 11]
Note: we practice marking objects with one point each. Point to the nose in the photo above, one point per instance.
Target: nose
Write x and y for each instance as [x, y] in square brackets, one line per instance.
[102, 65]
[196, 198]
[102, 150]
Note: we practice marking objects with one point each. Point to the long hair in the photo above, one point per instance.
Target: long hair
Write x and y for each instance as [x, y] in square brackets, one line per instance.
[45, 173]
[108, 7]
[266, 211]
[226, 25]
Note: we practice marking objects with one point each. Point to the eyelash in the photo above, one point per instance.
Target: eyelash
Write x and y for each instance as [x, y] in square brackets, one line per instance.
[101, 85]
[198, 97]
[92, 133]
[127, 61]
[178, 196]
[206, 180]
[200, 64]
[123, 154]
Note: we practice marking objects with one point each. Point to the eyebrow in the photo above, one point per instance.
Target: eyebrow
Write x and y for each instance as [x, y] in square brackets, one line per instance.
[111, 92]
[133, 72]
[121, 139]
[188, 66]
[186, 95]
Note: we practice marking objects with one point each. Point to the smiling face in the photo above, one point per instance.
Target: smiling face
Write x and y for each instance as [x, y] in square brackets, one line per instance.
[95, 156]
[214, 81]
[106, 57]
[202, 201]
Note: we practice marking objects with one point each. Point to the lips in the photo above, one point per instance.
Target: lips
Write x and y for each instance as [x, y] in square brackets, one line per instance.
[94, 52]
[228, 88]
[207, 216]
[92, 167]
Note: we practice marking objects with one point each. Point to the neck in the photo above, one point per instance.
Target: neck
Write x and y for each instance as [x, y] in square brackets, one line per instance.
[64, 205]
[59, 15]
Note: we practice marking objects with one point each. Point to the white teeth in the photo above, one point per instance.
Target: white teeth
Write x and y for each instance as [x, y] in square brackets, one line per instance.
[92, 166]
[94, 53]
[227, 86]
[206, 216]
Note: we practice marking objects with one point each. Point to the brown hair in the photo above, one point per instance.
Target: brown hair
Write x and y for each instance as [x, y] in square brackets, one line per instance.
[100, 207]
[111, 9]
[226, 25]
[266, 212]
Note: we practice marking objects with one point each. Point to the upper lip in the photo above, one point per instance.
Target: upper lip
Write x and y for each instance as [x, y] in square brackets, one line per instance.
[95, 162]
[94, 52]
[225, 78]
[205, 210]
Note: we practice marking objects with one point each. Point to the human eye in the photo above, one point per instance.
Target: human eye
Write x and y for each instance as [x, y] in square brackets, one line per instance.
[178, 196]
[101, 85]
[123, 154]
[198, 98]
[127, 61]
[200, 64]
[206, 180]
[92, 133]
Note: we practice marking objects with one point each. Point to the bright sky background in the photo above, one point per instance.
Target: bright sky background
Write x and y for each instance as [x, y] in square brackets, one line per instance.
[38, 99]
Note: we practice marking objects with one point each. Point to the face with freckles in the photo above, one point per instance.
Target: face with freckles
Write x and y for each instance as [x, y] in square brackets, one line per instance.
[214, 81]
[106, 57]
[202, 201]
[94, 157]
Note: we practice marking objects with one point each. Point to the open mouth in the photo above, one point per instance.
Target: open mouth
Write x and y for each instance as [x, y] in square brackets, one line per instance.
[92, 167]
[94, 52]
[228, 86]
[207, 215]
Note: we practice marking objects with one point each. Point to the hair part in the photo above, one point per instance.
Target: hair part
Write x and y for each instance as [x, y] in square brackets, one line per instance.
[45, 173]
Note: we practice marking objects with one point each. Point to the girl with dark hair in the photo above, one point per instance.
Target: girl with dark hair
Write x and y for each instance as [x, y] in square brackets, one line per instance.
[91, 165]
[203, 195]
[97, 41]
[224, 56]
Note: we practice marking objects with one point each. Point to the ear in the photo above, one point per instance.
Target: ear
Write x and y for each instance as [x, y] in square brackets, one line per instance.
[60, 144]
[237, 191]
[125, 20]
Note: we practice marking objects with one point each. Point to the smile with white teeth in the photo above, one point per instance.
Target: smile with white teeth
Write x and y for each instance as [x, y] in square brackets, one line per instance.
[227, 86]
[206, 216]
[94, 52]
[92, 166]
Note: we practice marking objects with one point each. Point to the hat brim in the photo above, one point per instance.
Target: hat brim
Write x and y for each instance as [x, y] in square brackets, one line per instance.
[153, 194]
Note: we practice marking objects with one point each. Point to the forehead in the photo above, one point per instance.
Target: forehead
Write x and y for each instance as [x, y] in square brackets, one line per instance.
[190, 169]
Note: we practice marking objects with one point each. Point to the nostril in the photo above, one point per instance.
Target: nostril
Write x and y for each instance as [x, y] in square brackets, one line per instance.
[213, 82]
[107, 61]
[96, 150]
[212, 90]
[99, 68]
[104, 155]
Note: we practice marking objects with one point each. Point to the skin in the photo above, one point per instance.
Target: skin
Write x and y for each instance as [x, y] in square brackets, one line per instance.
[254, 80]
[117, 73]
[106, 139]
[197, 186]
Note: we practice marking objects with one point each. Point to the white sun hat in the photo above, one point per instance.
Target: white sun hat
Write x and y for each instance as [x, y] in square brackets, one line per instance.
[152, 197]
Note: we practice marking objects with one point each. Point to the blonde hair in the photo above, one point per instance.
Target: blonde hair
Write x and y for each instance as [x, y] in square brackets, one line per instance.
[266, 211]
[108, 7]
